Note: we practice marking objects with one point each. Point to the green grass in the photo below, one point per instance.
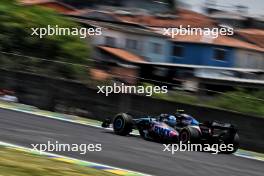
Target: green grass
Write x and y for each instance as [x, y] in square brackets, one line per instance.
[19, 163]
[178, 96]
[246, 102]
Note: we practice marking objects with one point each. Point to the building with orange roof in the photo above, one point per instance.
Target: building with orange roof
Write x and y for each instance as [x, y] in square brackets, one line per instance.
[147, 5]
[121, 54]
[254, 36]
[222, 51]
[150, 45]
[139, 33]
[51, 4]
[181, 17]
[136, 39]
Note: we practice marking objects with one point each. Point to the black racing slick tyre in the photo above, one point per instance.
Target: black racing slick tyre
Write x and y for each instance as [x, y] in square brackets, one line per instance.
[189, 134]
[122, 124]
[234, 140]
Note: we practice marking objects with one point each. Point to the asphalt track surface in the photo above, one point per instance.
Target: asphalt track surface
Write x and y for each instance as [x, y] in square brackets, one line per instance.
[130, 152]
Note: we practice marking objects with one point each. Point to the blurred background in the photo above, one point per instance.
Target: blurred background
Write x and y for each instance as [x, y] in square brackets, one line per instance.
[210, 78]
[61, 73]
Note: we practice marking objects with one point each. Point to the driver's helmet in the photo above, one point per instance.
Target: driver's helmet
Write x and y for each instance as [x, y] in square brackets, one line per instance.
[170, 120]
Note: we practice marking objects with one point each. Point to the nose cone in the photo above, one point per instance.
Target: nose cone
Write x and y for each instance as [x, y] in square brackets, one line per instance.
[174, 136]
[174, 133]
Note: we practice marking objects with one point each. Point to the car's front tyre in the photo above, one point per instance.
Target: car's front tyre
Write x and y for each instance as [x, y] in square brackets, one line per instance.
[122, 124]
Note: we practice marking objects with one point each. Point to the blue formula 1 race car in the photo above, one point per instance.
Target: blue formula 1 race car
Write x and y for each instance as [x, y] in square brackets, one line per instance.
[175, 128]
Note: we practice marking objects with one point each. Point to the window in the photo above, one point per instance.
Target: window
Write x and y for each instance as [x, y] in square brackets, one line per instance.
[131, 44]
[156, 48]
[160, 71]
[178, 51]
[110, 41]
[219, 54]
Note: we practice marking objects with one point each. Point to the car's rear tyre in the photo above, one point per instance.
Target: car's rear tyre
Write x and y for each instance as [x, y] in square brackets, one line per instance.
[189, 134]
[122, 124]
[234, 140]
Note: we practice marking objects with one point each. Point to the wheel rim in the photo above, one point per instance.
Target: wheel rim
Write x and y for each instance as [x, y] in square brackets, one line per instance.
[118, 124]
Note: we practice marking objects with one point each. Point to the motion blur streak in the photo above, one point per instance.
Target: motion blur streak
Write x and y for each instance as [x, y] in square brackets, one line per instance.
[126, 152]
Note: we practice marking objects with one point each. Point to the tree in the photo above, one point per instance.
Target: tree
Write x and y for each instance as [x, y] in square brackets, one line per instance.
[15, 37]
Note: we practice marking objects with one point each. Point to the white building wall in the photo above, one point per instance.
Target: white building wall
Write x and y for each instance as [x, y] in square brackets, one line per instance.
[144, 44]
[249, 59]
[157, 57]
[100, 39]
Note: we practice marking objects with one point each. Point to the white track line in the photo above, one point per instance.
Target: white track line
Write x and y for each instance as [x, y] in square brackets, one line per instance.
[99, 126]
[66, 157]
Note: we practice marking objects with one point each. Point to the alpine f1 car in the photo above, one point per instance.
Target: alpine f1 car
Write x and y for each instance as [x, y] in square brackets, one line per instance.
[175, 128]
